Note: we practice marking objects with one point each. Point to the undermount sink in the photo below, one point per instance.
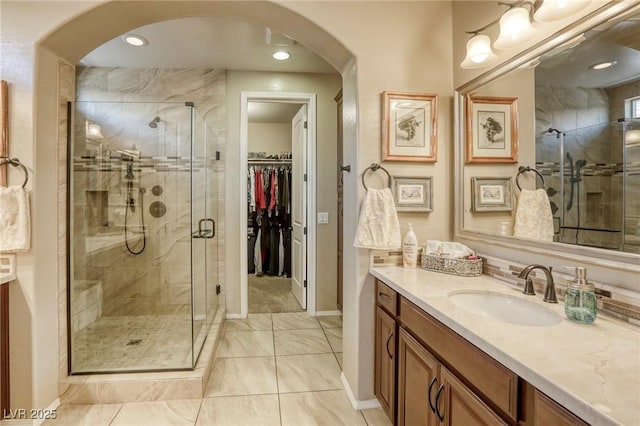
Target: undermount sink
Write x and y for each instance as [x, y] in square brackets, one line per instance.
[504, 307]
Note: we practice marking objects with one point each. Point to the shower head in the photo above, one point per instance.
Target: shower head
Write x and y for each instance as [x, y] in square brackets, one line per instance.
[556, 131]
[581, 163]
[154, 123]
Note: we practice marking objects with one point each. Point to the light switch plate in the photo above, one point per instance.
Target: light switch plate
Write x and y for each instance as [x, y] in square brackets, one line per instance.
[323, 217]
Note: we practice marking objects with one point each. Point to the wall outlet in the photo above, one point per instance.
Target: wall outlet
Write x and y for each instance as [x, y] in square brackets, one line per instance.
[323, 217]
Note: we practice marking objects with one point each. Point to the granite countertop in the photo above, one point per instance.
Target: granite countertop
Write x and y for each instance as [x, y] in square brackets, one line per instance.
[592, 370]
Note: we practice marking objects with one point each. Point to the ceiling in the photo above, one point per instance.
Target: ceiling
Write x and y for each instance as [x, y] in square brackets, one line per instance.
[214, 42]
[570, 67]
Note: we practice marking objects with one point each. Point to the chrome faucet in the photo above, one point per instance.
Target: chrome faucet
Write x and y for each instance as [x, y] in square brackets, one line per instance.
[550, 290]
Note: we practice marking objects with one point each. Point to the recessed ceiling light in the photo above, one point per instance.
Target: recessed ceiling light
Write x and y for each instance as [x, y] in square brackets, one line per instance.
[281, 55]
[603, 65]
[135, 40]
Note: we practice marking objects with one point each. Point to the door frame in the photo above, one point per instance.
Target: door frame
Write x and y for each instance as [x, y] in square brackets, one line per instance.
[282, 97]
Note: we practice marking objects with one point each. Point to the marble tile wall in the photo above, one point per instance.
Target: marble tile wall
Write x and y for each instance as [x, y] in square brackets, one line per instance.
[617, 302]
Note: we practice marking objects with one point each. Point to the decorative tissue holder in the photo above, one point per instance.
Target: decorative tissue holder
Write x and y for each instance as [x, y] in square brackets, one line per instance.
[447, 265]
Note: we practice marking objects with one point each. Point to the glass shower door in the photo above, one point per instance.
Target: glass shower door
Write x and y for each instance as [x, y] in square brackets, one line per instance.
[203, 235]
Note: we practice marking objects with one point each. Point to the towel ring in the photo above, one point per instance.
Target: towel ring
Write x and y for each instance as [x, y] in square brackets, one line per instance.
[375, 167]
[522, 170]
[16, 163]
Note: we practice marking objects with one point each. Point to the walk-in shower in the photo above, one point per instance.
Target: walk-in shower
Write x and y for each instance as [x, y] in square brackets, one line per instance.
[591, 177]
[142, 276]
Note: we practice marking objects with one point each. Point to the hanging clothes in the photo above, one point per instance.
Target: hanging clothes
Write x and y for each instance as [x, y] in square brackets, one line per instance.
[269, 208]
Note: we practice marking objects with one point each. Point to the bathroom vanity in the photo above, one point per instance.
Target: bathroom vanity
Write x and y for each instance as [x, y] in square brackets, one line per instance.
[439, 361]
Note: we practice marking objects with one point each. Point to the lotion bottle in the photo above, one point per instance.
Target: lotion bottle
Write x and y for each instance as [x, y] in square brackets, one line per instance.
[580, 299]
[410, 249]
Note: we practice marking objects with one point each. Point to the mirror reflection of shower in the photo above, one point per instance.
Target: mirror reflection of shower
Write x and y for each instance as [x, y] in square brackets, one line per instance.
[130, 155]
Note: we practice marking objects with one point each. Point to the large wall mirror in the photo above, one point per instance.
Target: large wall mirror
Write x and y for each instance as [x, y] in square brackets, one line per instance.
[556, 121]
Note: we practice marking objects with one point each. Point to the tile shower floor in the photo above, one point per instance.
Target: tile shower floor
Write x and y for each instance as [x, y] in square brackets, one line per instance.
[140, 342]
[270, 369]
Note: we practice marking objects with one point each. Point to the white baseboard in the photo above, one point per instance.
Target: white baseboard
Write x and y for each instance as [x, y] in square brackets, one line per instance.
[357, 405]
[234, 316]
[328, 313]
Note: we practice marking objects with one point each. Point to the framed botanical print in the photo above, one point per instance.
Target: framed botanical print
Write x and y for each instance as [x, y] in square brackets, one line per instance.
[409, 127]
[412, 194]
[491, 194]
[491, 129]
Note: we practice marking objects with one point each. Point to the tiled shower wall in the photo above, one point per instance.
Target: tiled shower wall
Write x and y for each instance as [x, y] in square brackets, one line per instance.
[584, 115]
[165, 281]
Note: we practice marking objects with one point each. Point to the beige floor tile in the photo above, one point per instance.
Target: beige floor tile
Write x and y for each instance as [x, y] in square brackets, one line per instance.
[334, 321]
[242, 376]
[254, 322]
[302, 373]
[271, 294]
[294, 321]
[298, 342]
[89, 415]
[177, 412]
[376, 417]
[334, 335]
[330, 408]
[254, 410]
[245, 343]
[339, 358]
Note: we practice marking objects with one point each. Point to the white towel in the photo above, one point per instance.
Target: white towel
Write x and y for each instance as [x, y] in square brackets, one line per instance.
[378, 227]
[534, 219]
[15, 219]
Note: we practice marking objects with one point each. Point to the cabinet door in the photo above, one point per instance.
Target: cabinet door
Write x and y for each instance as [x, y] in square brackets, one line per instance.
[458, 405]
[417, 377]
[385, 353]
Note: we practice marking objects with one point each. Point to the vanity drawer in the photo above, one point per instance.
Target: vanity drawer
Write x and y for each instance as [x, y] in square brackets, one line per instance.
[387, 298]
[490, 378]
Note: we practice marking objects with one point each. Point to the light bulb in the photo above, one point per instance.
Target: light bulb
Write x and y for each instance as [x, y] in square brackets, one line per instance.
[553, 10]
[479, 52]
[515, 28]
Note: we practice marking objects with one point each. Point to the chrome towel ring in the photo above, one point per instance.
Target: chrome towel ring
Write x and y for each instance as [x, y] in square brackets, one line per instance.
[522, 170]
[375, 167]
[16, 163]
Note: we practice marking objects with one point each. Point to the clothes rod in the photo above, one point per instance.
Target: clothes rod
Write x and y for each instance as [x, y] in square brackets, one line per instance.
[267, 161]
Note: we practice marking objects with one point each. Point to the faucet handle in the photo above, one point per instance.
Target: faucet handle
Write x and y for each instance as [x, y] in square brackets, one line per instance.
[528, 285]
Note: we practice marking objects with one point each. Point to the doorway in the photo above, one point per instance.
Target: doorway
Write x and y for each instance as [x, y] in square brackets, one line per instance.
[278, 273]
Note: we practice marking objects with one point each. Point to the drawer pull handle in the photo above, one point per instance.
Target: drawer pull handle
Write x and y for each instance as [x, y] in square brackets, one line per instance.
[384, 297]
[388, 340]
[440, 415]
[433, 381]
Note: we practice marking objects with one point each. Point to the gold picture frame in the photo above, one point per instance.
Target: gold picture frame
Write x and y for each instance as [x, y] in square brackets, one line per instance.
[491, 129]
[4, 129]
[409, 127]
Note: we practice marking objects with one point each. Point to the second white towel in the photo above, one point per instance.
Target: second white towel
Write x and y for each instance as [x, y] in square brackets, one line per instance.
[534, 219]
[15, 219]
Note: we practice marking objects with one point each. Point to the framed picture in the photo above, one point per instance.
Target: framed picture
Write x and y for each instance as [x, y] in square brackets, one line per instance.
[412, 194]
[491, 129]
[491, 194]
[409, 127]
[4, 129]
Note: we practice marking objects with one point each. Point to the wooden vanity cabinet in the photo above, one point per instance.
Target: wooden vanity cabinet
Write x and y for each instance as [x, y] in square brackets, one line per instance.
[385, 349]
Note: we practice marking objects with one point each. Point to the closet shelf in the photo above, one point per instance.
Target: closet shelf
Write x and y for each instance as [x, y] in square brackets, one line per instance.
[269, 161]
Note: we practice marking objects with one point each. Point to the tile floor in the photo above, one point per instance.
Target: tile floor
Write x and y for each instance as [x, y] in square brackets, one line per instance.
[270, 369]
[271, 294]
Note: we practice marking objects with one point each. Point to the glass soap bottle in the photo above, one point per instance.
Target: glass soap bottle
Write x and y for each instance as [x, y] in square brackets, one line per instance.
[580, 299]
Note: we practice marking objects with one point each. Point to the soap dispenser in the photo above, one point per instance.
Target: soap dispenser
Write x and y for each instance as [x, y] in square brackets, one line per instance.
[580, 299]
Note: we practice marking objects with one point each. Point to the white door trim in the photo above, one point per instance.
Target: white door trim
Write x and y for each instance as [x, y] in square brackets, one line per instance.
[284, 97]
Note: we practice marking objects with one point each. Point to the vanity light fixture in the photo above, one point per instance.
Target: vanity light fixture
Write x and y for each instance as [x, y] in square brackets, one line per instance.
[516, 27]
[603, 65]
[281, 55]
[135, 40]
